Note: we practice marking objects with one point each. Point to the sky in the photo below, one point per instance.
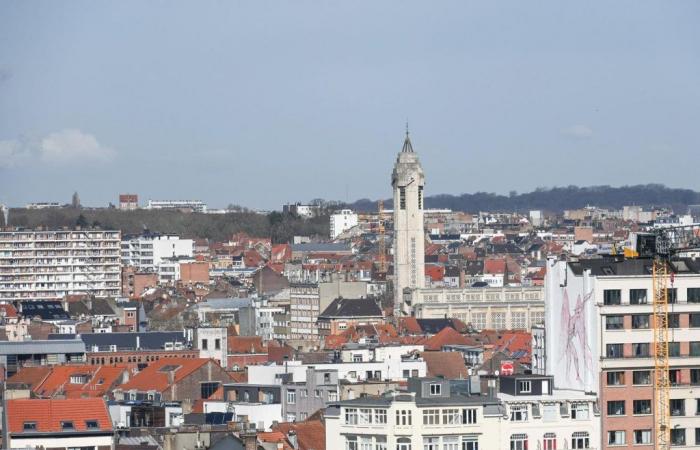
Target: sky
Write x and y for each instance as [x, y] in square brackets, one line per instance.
[262, 103]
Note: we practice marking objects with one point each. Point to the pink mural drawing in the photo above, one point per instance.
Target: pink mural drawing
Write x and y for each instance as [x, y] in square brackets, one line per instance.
[576, 353]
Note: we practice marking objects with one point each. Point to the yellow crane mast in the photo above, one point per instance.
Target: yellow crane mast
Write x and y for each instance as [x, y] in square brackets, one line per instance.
[661, 375]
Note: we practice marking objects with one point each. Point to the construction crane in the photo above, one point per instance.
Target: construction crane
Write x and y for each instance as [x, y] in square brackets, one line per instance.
[382, 242]
[662, 245]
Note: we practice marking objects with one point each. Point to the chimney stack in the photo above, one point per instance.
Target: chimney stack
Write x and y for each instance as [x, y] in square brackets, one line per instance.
[292, 438]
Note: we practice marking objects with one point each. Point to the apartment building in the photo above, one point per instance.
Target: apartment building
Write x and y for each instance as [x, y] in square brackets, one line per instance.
[193, 205]
[511, 308]
[304, 306]
[341, 221]
[301, 400]
[434, 414]
[601, 309]
[49, 264]
[538, 416]
[148, 251]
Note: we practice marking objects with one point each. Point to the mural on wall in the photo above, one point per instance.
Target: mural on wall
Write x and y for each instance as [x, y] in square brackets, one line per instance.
[575, 351]
[571, 340]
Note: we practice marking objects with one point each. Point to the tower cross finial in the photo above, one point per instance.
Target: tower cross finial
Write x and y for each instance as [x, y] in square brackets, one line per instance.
[406, 127]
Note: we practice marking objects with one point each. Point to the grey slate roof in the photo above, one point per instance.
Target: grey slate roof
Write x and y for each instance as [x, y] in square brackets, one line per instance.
[320, 247]
[152, 340]
[352, 307]
[225, 303]
[46, 310]
[629, 267]
[41, 347]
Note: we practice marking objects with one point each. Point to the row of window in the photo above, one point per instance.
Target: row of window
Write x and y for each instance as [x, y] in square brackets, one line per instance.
[549, 412]
[579, 440]
[644, 321]
[429, 443]
[643, 350]
[677, 437]
[643, 407]
[66, 425]
[640, 297]
[303, 393]
[404, 417]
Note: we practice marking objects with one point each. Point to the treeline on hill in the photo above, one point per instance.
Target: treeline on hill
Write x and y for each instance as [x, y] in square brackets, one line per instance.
[219, 227]
[557, 199]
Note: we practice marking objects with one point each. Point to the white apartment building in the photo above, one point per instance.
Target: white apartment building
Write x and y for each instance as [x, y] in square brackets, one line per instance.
[194, 205]
[512, 308]
[342, 221]
[538, 416]
[430, 416]
[49, 264]
[354, 372]
[148, 252]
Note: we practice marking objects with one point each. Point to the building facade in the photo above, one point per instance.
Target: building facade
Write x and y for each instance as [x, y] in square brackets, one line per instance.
[602, 310]
[407, 181]
[538, 416]
[128, 202]
[148, 251]
[341, 221]
[301, 400]
[512, 308]
[41, 265]
[430, 416]
[193, 205]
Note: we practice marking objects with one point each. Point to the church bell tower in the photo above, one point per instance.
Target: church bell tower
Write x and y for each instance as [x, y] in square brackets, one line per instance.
[408, 180]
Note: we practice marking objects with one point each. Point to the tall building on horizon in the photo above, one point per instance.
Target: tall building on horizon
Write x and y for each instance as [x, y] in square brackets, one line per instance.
[408, 181]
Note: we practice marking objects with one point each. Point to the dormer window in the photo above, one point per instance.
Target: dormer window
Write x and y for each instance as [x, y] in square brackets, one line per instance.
[29, 426]
[92, 424]
[435, 389]
[67, 425]
[78, 378]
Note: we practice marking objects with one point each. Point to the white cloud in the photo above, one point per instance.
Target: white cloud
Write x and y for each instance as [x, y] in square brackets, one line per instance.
[69, 146]
[578, 131]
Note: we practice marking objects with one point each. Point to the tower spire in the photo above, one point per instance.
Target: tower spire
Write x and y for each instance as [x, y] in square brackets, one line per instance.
[407, 146]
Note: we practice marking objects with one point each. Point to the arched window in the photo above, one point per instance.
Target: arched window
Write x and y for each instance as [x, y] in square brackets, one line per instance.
[549, 441]
[580, 439]
[518, 441]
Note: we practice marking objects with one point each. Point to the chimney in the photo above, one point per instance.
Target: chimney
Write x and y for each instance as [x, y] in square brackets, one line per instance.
[292, 438]
[171, 377]
[250, 440]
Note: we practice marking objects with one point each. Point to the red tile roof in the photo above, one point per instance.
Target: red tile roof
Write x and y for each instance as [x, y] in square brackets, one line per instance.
[100, 380]
[445, 364]
[446, 336]
[494, 266]
[409, 325]
[48, 414]
[152, 378]
[435, 272]
[310, 434]
[10, 310]
[246, 344]
[31, 376]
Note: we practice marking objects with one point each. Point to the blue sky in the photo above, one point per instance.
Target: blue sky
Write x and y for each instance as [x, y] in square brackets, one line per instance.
[261, 103]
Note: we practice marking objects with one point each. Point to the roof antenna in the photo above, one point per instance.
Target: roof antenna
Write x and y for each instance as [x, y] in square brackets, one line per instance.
[406, 127]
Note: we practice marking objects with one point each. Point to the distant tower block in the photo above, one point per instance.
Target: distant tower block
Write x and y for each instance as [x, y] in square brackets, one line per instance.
[407, 181]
